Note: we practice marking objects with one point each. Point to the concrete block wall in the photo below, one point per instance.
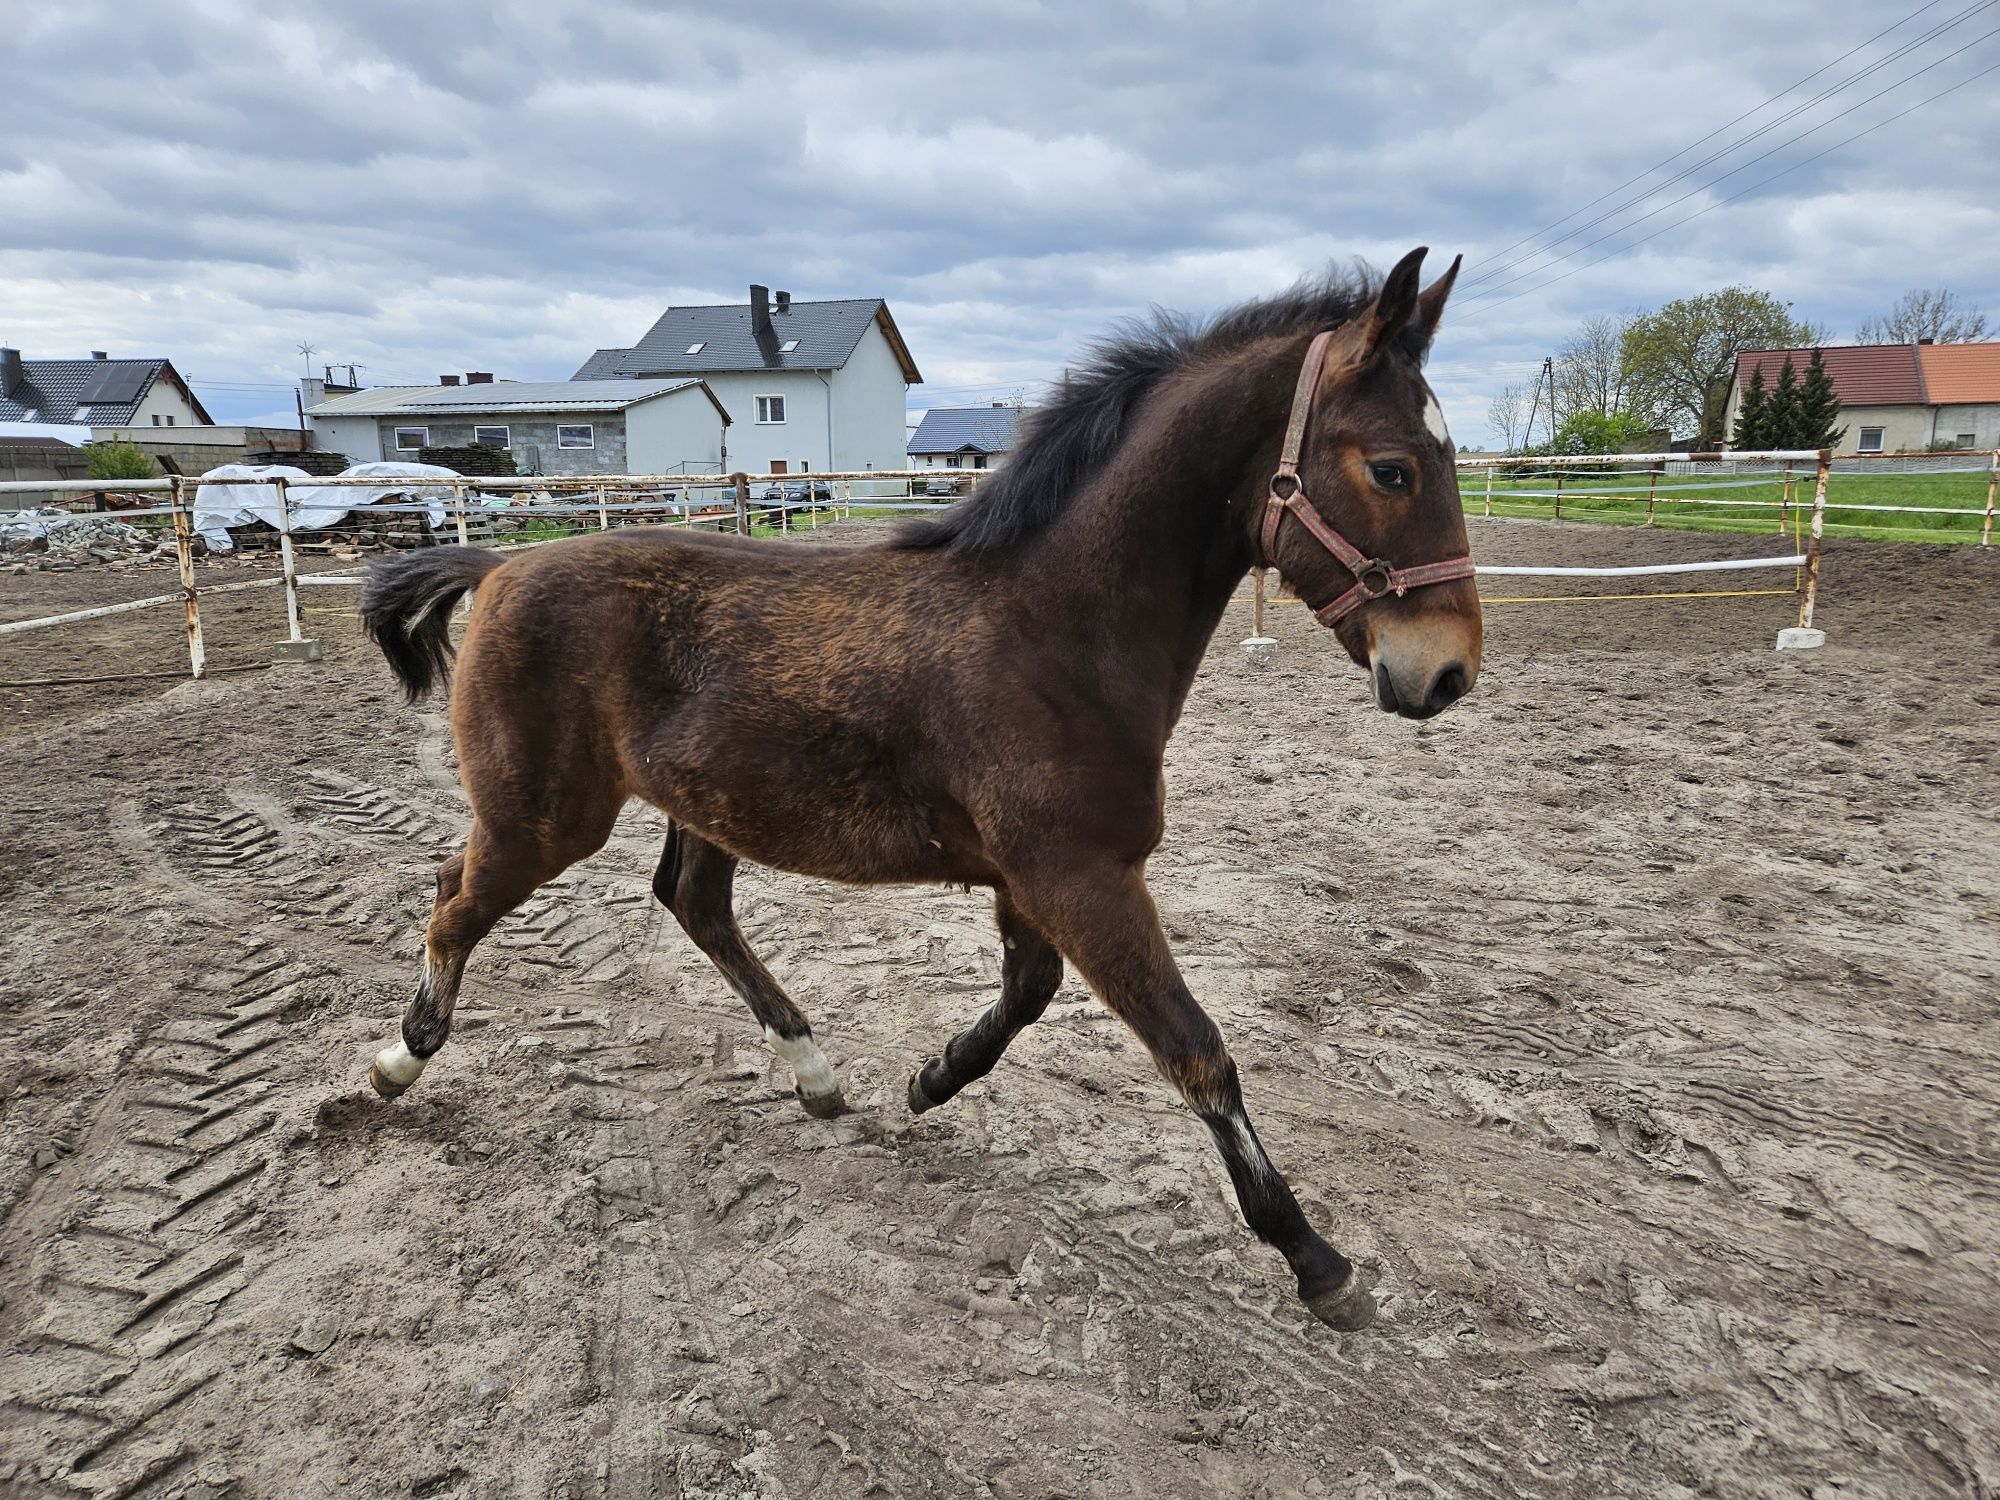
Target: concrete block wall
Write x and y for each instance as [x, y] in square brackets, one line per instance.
[608, 457]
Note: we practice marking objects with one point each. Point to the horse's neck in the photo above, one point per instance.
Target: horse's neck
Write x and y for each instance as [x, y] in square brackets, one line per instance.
[1152, 550]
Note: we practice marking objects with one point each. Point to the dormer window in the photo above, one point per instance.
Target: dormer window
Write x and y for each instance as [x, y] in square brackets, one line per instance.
[697, 346]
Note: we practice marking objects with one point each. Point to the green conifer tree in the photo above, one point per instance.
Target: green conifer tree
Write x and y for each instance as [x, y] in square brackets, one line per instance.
[1750, 414]
[1818, 408]
[1782, 418]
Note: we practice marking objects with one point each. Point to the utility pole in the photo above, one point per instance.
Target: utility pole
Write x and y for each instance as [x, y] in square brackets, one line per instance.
[1548, 373]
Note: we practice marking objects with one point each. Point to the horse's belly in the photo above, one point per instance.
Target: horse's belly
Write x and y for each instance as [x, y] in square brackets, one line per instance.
[829, 832]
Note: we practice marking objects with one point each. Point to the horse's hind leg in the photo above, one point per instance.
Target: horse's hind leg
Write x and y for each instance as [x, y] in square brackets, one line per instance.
[1030, 971]
[695, 881]
[500, 868]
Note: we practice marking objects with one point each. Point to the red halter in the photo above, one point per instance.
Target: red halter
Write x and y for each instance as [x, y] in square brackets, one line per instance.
[1372, 576]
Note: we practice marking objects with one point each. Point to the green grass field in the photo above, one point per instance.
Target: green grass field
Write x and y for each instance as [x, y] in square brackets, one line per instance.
[1963, 493]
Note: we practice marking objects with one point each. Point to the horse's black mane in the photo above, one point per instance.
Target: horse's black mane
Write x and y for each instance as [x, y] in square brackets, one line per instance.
[1067, 439]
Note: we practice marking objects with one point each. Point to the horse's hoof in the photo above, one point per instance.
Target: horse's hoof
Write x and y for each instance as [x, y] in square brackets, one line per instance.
[823, 1106]
[383, 1084]
[919, 1100]
[1348, 1307]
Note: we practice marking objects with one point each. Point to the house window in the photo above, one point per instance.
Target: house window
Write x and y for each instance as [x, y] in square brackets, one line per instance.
[489, 437]
[409, 439]
[697, 347]
[170, 421]
[576, 435]
[1870, 442]
[979, 460]
[1967, 439]
[156, 419]
[955, 461]
[770, 410]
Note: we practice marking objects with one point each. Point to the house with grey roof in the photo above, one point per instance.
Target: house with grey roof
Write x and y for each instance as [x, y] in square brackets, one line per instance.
[97, 392]
[965, 437]
[811, 386]
[555, 427]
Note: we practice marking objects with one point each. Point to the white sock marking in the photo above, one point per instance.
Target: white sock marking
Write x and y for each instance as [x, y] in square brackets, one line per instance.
[809, 1065]
[1246, 1143]
[398, 1064]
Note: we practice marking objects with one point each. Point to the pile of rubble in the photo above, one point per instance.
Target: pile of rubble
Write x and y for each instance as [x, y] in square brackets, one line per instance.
[54, 541]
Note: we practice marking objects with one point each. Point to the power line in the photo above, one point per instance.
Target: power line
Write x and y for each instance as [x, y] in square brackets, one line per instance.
[1484, 280]
[1745, 192]
[1628, 182]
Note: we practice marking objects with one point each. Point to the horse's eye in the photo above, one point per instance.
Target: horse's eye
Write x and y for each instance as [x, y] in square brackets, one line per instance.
[1390, 476]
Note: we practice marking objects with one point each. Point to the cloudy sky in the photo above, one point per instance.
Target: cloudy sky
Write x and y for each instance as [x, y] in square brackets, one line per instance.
[506, 186]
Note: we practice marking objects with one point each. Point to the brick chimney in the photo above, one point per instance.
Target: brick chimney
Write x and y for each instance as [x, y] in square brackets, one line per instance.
[479, 377]
[99, 354]
[760, 310]
[447, 380]
[784, 302]
[10, 371]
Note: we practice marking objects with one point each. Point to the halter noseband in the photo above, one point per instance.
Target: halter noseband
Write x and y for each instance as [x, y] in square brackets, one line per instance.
[1372, 576]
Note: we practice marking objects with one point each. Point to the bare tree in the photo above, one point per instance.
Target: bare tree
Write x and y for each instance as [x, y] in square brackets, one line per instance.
[1590, 368]
[1923, 314]
[1507, 415]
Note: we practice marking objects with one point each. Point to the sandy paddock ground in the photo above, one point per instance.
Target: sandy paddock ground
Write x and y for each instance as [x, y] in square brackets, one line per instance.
[1633, 1023]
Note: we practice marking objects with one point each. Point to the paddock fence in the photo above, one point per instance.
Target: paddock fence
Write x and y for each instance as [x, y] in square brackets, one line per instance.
[1787, 489]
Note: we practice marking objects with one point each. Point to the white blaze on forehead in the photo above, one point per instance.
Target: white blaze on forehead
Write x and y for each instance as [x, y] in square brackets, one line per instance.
[1434, 418]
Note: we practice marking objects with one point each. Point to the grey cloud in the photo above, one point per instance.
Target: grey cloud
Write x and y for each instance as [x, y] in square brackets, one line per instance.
[509, 185]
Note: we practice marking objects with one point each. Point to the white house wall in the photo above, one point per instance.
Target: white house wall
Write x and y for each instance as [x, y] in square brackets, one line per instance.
[679, 433]
[165, 400]
[360, 438]
[800, 440]
[1909, 428]
[869, 406]
[1983, 422]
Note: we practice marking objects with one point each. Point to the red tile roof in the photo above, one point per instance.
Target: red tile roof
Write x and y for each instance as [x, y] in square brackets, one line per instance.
[1862, 374]
[1961, 374]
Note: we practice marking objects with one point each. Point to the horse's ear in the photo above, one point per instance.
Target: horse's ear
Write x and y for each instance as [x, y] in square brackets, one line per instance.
[1430, 306]
[1394, 305]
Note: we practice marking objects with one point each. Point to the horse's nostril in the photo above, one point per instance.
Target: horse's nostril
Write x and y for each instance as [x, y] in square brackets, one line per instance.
[1385, 691]
[1447, 688]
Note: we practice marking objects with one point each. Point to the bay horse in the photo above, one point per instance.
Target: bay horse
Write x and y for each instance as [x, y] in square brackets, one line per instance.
[984, 699]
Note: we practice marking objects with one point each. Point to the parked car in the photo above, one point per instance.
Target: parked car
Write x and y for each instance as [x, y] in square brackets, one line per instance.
[946, 484]
[779, 497]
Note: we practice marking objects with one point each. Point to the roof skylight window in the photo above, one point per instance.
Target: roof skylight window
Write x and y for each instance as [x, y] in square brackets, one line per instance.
[697, 346]
[788, 346]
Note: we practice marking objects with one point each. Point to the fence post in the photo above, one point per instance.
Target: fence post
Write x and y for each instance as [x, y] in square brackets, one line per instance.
[295, 646]
[288, 560]
[458, 513]
[1489, 497]
[1812, 543]
[603, 515]
[1785, 499]
[742, 483]
[1559, 494]
[1992, 491]
[184, 554]
[1653, 489]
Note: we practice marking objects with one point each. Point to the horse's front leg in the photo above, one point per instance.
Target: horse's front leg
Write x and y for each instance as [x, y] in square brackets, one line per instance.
[1102, 917]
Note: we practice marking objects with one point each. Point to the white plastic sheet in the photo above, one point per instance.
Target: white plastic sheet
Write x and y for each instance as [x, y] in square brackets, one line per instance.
[217, 507]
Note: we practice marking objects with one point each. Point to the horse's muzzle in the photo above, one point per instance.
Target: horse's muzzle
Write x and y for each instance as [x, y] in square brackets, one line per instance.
[1422, 698]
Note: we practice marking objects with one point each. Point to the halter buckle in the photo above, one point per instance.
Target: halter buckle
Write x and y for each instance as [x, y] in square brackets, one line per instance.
[1290, 483]
[1377, 577]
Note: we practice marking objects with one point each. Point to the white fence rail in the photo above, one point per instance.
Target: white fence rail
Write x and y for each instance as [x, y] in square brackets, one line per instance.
[669, 499]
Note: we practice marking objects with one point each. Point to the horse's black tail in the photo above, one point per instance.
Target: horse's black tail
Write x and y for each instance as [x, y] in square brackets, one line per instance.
[406, 609]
